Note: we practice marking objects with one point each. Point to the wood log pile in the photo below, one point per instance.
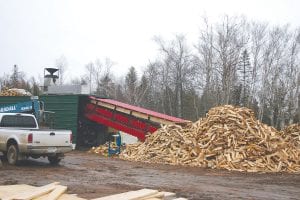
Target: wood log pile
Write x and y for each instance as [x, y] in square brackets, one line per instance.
[14, 92]
[102, 149]
[54, 191]
[227, 138]
[291, 134]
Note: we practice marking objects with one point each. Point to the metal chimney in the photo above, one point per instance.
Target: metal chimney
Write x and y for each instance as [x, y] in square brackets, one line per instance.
[50, 77]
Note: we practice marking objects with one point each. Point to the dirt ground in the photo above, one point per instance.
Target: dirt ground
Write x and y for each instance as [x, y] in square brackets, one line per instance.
[90, 175]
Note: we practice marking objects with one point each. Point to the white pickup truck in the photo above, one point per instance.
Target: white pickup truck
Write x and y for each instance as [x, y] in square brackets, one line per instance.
[20, 138]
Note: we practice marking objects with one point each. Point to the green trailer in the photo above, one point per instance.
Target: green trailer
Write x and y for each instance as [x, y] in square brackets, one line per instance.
[66, 112]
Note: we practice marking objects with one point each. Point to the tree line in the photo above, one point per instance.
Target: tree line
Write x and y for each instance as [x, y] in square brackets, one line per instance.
[234, 61]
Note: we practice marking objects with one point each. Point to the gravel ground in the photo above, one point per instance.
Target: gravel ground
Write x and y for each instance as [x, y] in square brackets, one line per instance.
[91, 176]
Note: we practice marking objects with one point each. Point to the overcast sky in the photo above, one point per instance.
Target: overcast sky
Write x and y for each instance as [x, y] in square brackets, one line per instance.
[34, 33]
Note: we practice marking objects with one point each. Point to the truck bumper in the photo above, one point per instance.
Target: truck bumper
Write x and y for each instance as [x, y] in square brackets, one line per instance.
[33, 150]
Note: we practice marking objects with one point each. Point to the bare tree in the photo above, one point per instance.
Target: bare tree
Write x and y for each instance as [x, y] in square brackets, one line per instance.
[177, 60]
[292, 77]
[271, 70]
[258, 32]
[205, 62]
[62, 65]
[228, 46]
[99, 76]
[90, 74]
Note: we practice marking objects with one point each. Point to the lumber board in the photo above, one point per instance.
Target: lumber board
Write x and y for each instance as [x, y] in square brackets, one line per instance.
[57, 192]
[32, 193]
[54, 191]
[9, 190]
[53, 195]
[158, 195]
[132, 195]
[169, 195]
[70, 197]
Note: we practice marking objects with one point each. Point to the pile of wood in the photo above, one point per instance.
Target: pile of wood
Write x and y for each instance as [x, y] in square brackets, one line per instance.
[291, 134]
[227, 138]
[14, 92]
[102, 149]
[54, 191]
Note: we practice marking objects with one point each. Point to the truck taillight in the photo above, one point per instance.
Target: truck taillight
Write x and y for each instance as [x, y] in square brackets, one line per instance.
[29, 139]
[71, 138]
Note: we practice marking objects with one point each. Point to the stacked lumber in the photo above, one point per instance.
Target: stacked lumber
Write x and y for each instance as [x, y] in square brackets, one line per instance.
[227, 138]
[14, 92]
[54, 191]
[291, 134]
[51, 191]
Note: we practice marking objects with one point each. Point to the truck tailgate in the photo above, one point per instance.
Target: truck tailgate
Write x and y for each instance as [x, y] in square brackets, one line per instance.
[51, 138]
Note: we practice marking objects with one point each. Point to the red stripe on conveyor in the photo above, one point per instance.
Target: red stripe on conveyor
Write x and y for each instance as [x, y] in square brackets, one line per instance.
[139, 109]
[114, 124]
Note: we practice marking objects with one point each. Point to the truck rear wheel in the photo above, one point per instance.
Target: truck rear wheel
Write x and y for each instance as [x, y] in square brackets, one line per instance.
[4, 157]
[54, 160]
[12, 154]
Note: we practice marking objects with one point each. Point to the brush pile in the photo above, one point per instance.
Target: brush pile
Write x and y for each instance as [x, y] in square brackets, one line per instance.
[227, 138]
[14, 92]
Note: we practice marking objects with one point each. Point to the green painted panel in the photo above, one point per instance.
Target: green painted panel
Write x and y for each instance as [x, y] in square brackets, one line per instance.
[66, 111]
[4, 100]
[64, 106]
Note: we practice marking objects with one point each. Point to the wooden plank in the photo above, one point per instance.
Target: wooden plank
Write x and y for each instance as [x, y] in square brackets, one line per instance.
[54, 195]
[169, 195]
[70, 197]
[132, 195]
[160, 121]
[106, 105]
[158, 195]
[181, 198]
[32, 193]
[140, 115]
[9, 190]
[123, 110]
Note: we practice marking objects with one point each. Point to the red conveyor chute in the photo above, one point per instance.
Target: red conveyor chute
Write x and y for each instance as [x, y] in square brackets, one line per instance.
[133, 120]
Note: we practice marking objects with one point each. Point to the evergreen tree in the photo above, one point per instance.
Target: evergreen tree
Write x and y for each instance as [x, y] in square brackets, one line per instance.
[14, 78]
[131, 85]
[244, 73]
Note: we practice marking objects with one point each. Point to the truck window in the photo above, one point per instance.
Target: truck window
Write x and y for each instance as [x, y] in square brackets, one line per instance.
[18, 121]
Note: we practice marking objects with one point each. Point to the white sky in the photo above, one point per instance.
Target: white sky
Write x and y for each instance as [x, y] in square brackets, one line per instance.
[34, 33]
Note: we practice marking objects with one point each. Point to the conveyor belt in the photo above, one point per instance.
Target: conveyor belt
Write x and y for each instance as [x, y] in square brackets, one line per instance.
[133, 120]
